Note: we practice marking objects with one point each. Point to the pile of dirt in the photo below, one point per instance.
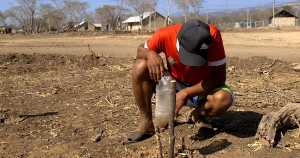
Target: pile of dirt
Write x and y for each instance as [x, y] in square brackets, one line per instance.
[55, 106]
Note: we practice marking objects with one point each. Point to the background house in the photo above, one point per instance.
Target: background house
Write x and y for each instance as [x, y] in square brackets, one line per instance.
[5, 30]
[283, 18]
[87, 26]
[244, 24]
[98, 26]
[150, 21]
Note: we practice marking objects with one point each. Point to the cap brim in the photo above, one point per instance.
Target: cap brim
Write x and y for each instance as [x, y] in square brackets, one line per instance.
[192, 59]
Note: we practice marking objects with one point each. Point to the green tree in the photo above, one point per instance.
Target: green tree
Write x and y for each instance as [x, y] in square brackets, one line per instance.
[140, 7]
[196, 5]
[52, 15]
[261, 15]
[18, 16]
[2, 19]
[288, 8]
[109, 15]
[29, 7]
[46, 11]
[183, 5]
[75, 10]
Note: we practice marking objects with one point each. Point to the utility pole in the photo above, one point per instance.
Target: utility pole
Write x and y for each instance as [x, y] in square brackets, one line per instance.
[206, 15]
[273, 14]
[250, 21]
[247, 17]
[297, 17]
[226, 15]
[150, 15]
[220, 21]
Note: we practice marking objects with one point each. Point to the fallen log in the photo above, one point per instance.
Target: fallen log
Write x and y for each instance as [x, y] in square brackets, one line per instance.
[270, 124]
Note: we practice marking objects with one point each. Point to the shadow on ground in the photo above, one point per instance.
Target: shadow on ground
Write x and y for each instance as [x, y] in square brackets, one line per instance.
[241, 124]
[215, 146]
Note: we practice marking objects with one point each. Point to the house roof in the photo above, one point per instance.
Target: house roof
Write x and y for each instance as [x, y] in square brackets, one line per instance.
[78, 25]
[283, 13]
[138, 18]
[97, 24]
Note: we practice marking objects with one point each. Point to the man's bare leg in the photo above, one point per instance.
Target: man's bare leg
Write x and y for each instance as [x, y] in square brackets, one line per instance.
[143, 91]
[217, 104]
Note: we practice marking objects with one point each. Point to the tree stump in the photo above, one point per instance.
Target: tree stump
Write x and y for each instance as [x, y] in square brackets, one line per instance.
[270, 124]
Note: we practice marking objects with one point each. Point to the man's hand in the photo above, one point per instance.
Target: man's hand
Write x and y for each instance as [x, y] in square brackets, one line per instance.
[181, 98]
[155, 65]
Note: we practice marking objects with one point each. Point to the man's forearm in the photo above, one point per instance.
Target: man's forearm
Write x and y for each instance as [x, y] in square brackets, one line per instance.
[217, 79]
[204, 87]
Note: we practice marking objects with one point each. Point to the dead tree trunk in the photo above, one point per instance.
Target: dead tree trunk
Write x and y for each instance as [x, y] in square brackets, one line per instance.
[166, 21]
[270, 124]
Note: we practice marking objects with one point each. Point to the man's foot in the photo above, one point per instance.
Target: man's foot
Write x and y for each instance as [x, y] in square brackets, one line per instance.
[146, 126]
[144, 131]
[199, 120]
[205, 131]
[139, 136]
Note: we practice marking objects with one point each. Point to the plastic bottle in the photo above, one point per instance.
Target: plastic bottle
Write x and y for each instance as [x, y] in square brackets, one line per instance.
[162, 108]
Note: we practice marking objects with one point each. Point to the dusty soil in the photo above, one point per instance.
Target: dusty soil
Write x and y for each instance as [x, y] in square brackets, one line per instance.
[56, 97]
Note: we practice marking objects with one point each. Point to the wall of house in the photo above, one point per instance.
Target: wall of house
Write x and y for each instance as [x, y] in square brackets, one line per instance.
[82, 28]
[133, 26]
[156, 23]
[285, 21]
[91, 27]
[98, 28]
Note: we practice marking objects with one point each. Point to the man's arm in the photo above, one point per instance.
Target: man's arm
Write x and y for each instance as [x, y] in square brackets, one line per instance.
[217, 79]
[154, 62]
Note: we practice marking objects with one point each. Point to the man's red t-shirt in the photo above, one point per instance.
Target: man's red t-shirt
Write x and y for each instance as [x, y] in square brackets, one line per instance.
[165, 40]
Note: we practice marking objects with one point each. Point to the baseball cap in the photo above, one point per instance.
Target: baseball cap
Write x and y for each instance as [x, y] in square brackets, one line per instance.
[194, 39]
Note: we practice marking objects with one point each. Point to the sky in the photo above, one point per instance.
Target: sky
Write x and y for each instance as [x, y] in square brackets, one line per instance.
[209, 5]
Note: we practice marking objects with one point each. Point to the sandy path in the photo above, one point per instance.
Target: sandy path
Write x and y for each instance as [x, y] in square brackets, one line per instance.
[283, 45]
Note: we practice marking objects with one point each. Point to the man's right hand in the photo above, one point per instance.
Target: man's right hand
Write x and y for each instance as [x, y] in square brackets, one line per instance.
[155, 65]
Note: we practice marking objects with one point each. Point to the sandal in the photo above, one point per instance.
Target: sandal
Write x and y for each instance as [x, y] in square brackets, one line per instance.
[138, 136]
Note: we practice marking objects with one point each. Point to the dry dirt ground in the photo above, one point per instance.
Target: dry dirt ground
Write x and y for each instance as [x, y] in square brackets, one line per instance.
[56, 97]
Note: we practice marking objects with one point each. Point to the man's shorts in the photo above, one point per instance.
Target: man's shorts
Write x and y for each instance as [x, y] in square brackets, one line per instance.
[198, 100]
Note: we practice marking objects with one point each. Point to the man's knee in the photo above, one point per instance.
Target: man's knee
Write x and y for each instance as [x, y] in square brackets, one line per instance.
[223, 100]
[139, 68]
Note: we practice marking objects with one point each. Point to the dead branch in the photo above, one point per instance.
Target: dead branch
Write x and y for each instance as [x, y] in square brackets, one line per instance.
[172, 115]
[268, 66]
[109, 101]
[273, 122]
[159, 145]
[93, 53]
[97, 138]
[182, 144]
[68, 60]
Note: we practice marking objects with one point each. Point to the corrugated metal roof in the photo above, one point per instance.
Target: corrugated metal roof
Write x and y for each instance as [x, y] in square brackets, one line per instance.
[97, 24]
[137, 18]
[79, 24]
